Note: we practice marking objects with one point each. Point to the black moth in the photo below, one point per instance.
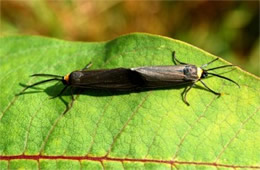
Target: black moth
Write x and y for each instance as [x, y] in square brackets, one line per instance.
[140, 78]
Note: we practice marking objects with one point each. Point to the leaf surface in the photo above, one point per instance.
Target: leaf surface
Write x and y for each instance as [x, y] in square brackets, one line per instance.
[146, 130]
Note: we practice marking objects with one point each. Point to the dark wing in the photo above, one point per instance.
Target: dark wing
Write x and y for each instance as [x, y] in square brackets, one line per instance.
[164, 76]
[114, 79]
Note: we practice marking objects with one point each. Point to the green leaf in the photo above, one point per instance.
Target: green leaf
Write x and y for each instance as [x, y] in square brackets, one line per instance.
[145, 130]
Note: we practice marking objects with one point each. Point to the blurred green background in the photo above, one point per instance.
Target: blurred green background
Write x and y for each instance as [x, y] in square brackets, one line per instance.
[229, 29]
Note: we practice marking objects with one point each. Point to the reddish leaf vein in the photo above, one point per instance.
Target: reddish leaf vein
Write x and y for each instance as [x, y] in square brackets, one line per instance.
[104, 158]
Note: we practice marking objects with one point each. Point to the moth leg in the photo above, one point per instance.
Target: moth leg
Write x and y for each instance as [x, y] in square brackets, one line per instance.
[174, 59]
[184, 93]
[71, 92]
[60, 93]
[212, 91]
[87, 66]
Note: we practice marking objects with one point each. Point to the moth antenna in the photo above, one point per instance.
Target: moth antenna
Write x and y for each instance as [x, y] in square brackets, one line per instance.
[205, 65]
[45, 75]
[41, 82]
[215, 68]
[224, 78]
